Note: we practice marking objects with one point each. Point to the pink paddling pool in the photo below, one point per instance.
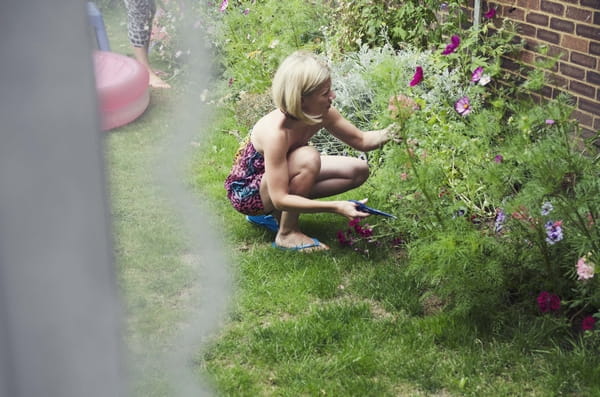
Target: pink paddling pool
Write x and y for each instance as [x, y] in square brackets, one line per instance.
[122, 85]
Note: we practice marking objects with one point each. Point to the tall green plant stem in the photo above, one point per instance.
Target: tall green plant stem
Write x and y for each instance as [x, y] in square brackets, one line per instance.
[423, 187]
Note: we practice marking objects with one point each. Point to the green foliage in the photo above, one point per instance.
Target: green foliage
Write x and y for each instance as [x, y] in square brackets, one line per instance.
[375, 23]
[252, 37]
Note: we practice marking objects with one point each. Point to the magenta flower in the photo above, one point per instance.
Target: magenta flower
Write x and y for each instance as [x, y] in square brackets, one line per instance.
[463, 106]
[490, 14]
[588, 323]
[498, 159]
[224, 5]
[417, 77]
[343, 239]
[477, 73]
[454, 43]
[548, 302]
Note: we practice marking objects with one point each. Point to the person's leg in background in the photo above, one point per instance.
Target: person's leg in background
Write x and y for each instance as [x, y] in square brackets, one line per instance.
[140, 14]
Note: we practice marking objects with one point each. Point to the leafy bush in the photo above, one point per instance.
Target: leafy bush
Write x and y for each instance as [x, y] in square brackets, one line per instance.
[376, 23]
[252, 37]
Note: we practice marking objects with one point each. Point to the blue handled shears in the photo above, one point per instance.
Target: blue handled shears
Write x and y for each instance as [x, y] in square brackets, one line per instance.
[363, 208]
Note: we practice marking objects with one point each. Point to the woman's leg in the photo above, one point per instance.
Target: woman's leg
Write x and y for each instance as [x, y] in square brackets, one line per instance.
[140, 14]
[313, 176]
[339, 174]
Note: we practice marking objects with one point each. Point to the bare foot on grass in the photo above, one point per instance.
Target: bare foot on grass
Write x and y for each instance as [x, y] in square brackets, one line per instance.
[297, 241]
[157, 82]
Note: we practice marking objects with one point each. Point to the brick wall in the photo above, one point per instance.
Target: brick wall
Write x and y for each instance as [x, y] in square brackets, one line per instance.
[567, 27]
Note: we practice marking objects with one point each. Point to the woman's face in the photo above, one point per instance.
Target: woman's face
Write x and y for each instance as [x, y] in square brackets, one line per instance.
[319, 101]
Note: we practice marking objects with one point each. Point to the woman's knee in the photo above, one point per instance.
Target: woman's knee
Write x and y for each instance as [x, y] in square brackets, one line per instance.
[304, 160]
[361, 173]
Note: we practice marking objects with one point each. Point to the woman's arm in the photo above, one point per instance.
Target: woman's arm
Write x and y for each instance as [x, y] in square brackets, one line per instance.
[344, 130]
[277, 179]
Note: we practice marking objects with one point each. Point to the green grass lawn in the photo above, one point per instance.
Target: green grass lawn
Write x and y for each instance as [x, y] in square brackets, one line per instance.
[335, 323]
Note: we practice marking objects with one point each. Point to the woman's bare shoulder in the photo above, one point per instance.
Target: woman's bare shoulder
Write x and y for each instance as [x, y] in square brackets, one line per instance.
[268, 129]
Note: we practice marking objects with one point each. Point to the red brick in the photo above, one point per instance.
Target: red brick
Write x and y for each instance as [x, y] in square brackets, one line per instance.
[583, 118]
[572, 71]
[590, 3]
[562, 25]
[510, 65]
[514, 13]
[593, 78]
[552, 7]
[583, 60]
[578, 14]
[526, 30]
[546, 91]
[549, 36]
[527, 56]
[588, 31]
[589, 106]
[583, 89]
[557, 51]
[537, 19]
[575, 43]
[557, 80]
[530, 4]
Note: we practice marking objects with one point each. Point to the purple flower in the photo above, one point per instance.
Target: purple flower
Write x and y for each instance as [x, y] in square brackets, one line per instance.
[246, 11]
[454, 43]
[498, 159]
[588, 323]
[490, 14]
[224, 5]
[548, 302]
[549, 121]
[463, 106]
[499, 222]
[417, 77]
[547, 208]
[477, 73]
[553, 232]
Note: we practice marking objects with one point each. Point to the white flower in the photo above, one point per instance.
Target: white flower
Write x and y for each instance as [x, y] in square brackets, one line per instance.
[484, 80]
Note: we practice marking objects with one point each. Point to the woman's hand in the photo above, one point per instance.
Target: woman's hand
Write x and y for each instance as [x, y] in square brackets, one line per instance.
[348, 209]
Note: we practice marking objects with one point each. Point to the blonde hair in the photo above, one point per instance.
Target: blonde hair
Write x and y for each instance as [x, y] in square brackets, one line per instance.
[300, 74]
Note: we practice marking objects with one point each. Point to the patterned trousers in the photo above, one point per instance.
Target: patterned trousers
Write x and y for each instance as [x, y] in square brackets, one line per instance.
[139, 21]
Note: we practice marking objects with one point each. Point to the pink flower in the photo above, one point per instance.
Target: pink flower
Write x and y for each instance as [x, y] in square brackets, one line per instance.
[490, 14]
[549, 121]
[477, 73]
[463, 106]
[224, 5]
[246, 11]
[344, 239]
[417, 77]
[454, 43]
[585, 270]
[588, 323]
[548, 302]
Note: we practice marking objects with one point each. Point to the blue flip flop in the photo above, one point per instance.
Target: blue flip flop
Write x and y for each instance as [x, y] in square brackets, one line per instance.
[267, 221]
[301, 247]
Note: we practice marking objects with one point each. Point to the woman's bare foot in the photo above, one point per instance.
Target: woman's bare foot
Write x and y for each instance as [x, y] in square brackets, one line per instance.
[157, 82]
[298, 241]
